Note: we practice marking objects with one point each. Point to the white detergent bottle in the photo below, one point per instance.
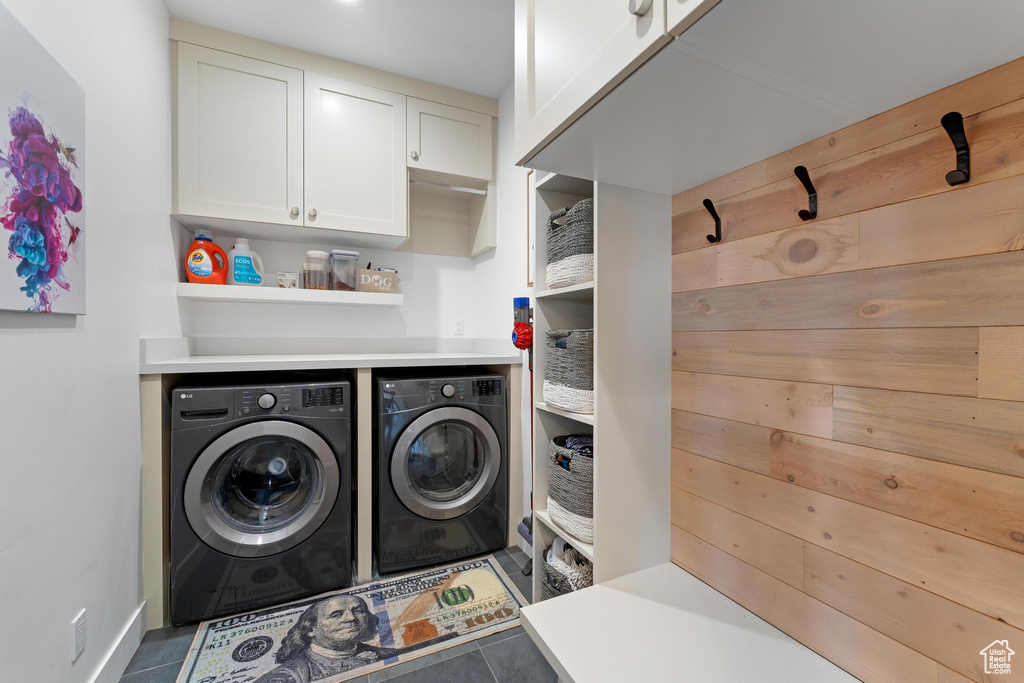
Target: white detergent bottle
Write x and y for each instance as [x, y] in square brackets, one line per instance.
[244, 265]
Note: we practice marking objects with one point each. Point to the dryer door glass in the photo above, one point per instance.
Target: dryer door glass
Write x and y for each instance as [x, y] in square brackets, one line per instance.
[261, 488]
[445, 462]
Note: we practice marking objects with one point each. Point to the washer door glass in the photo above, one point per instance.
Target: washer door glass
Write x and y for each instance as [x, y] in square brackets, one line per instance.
[265, 483]
[445, 462]
[261, 488]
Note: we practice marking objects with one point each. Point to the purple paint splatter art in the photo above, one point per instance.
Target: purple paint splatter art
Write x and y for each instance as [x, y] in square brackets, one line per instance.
[36, 213]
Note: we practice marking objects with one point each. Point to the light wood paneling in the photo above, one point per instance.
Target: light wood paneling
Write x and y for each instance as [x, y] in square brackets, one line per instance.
[939, 360]
[1001, 363]
[985, 91]
[831, 246]
[889, 333]
[973, 432]
[736, 443]
[803, 408]
[857, 648]
[911, 167]
[969, 292]
[768, 549]
[963, 500]
[979, 219]
[936, 627]
[964, 570]
[694, 269]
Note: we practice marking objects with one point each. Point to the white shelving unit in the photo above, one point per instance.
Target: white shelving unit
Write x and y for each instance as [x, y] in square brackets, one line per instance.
[625, 305]
[198, 291]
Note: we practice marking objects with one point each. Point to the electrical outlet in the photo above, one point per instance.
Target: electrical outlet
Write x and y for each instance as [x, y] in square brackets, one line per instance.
[460, 327]
[77, 635]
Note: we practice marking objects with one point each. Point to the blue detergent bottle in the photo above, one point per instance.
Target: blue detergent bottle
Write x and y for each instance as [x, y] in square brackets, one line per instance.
[244, 265]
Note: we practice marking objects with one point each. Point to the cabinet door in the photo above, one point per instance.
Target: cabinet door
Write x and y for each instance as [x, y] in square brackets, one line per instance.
[569, 54]
[683, 13]
[239, 137]
[449, 140]
[356, 179]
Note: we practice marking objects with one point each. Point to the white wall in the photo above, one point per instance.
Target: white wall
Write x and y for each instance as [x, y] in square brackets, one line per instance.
[69, 392]
[501, 275]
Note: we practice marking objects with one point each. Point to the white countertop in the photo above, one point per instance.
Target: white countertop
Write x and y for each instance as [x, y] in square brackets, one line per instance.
[322, 361]
[664, 624]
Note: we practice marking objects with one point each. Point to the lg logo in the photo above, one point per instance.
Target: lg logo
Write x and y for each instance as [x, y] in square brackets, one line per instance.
[186, 395]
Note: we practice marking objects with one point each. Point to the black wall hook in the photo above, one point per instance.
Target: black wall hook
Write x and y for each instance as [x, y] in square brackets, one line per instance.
[953, 122]
[717, 237]
[811, 212]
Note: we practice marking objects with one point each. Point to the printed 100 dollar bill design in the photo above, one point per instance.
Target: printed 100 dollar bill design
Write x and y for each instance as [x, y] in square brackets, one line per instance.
[348, 633]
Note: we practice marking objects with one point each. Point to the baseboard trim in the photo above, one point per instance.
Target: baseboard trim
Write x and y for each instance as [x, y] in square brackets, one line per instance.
[120, 653]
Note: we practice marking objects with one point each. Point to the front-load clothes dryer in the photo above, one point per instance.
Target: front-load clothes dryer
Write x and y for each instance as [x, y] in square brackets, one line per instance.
[440, 468]
[260, 495]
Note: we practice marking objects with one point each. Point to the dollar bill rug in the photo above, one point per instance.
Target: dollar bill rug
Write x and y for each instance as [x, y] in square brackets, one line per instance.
[345, 634]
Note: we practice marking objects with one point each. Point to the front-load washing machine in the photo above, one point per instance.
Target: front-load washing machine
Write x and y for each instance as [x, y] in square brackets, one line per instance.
[260, 495]
[440, 468]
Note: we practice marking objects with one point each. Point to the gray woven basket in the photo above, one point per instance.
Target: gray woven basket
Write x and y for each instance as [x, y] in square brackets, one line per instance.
[571, 489]
[570, 235]
[553, 583]
[569, 370]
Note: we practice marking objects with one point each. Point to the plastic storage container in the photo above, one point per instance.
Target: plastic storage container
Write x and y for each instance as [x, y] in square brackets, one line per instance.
[342, 271]
[314, 270]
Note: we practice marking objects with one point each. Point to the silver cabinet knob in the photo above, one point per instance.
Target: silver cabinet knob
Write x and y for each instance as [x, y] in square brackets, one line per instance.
[295, 212]
[415, 155]
[640, 7]
[312, 213]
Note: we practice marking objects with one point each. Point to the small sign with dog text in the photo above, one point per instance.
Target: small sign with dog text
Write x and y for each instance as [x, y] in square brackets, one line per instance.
[385, 281]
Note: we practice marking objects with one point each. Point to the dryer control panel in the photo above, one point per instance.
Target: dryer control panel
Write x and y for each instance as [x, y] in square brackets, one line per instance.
[408, 394]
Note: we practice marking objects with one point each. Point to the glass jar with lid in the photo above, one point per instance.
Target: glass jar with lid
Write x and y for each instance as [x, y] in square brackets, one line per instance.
[314, 270]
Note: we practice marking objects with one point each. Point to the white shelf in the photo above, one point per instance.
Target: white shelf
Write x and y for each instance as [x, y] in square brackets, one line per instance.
[204, 292]
[586, 549]
[580, 292]
[554, 182]
[693, 632]
[579, 417]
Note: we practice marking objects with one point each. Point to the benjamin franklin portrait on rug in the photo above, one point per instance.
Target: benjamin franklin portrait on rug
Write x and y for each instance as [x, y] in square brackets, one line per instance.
[328, 639]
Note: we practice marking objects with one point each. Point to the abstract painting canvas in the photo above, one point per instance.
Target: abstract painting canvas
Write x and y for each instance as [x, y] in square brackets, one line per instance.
[42, 178]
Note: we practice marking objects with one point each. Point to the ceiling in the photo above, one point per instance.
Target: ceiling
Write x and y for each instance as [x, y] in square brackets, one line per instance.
[464, 44]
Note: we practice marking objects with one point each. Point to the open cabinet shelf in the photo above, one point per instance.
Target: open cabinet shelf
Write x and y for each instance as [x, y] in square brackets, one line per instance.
[632, 346]
[198, 291]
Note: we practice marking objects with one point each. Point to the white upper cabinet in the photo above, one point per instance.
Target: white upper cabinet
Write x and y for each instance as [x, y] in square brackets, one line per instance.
[683, 13]
[355, 175]
[449, 140]
[239, 137]
[571, 53]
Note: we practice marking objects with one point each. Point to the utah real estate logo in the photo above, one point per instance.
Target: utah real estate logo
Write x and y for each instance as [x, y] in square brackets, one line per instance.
[997, 657]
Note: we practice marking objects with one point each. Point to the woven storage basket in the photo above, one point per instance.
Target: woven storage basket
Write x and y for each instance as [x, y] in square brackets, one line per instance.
[571, 245]
[571, 487]
[569, 370]
[567, 572]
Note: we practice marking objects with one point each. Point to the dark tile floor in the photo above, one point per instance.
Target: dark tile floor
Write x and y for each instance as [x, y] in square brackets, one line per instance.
[506, 657]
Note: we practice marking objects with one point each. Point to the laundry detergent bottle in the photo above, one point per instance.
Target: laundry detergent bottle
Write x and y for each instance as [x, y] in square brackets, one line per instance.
[206, 262]
[244, 265]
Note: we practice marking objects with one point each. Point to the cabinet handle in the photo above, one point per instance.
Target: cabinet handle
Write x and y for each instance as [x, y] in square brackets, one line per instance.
[295, 212]
[312, 214]
[415, 155]
[640, 7]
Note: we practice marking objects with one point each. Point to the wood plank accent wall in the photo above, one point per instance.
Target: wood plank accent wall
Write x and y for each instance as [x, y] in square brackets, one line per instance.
[848, 393]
